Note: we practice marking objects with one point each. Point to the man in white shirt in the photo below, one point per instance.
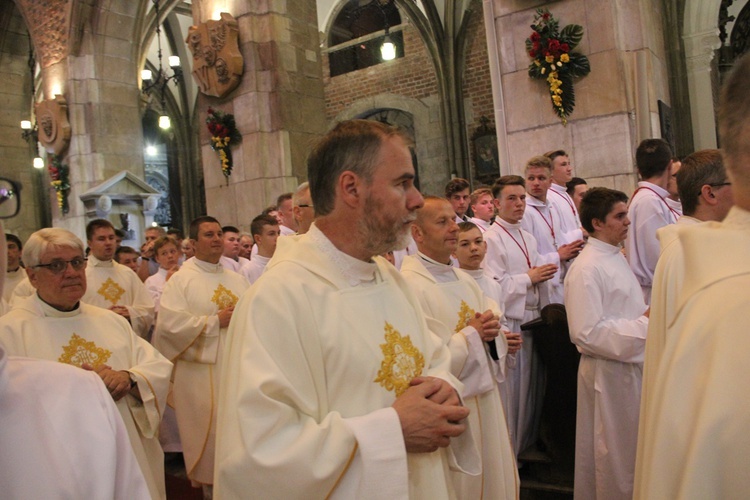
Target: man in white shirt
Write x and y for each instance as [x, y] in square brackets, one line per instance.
[15, 273]
[562, 173]
[457, 193]
[513, 261]
[334, 387]
[649, 210]
[304, 212]
[608, 320]
[698, 445]
[576, 188]
[265, 231]
[554, 244]
[231, 259]
[285, 207]
[112, 285]
[195, 309]
[483, 207]
[148, 266]
[246, 245]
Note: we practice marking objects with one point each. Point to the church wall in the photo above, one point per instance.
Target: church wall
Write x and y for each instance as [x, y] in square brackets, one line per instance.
[278, 108]
[15, 102]
[616, 104]
[410, 84]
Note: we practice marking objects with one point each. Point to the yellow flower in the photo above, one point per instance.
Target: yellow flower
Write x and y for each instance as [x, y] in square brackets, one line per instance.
[559, 64]
[543, 70]
[537, 62]
[565, 58]
[549, 59]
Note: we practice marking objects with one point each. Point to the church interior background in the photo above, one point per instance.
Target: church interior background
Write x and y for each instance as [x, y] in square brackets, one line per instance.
[458, 82]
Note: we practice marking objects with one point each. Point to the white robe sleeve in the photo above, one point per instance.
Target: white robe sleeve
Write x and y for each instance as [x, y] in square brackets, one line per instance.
[616, 339]
[642, 244]
[180, 332]
[152, 373]
[142, 309]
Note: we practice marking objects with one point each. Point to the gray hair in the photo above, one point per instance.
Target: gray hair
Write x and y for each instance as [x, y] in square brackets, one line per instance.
[49, 238]
[299, 192]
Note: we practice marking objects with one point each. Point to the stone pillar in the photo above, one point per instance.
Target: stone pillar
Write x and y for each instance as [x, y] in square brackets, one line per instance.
[601, 133]
[279, 106]
[15, 94]
[103, 106]
[699, 52]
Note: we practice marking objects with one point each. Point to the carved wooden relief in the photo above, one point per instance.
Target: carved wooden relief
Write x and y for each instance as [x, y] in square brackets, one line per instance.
[217, 62]
[54, 128]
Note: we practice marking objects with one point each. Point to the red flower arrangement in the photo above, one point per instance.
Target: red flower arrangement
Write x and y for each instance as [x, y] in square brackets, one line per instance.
[550, 48]
[59, 179]
[224, 135]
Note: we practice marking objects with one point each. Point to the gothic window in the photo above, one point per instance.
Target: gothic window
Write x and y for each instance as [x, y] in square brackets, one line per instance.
[358, 33]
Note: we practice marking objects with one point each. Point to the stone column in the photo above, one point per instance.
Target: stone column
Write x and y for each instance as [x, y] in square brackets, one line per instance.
[699, 52]
[279, 106]
[601, 133]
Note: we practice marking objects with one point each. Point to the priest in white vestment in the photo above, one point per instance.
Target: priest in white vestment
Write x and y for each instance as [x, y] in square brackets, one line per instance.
[112, 285]
[608, 321]
[334, 386]
[542, 220]
[512, 260]
[54, 324]
[695, 442]
[468, 320]
[196, 306]
[61, 435]
[648, 210]
[706, 196]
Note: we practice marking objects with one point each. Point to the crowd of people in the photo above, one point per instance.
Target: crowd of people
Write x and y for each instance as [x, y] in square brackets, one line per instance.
[364, 341]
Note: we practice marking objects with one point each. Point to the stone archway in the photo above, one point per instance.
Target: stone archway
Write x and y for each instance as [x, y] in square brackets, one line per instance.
[429, 137]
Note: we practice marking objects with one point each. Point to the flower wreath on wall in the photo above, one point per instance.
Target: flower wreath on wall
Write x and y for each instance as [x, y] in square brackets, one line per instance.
[224, 135]
[59, 179]
[552, 59]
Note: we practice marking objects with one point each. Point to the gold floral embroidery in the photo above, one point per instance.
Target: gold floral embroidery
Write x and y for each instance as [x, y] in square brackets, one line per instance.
[80, 350]
[223, 297]
[465, 314]
[401, 362]
[111, 291]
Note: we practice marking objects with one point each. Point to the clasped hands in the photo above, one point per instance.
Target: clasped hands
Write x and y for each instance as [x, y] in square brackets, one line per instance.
[431, 414]
[117, 382]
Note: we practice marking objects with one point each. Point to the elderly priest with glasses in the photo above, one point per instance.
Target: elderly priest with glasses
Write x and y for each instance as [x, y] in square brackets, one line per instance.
[54, 324]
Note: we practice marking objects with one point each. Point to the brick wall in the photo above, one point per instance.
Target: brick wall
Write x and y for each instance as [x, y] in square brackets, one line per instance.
[477, 84]
[410, 76]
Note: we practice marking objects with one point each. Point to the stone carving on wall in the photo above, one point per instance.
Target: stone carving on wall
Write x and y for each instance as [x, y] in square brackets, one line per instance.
[217, 62]
[48, 23]
[54, 128]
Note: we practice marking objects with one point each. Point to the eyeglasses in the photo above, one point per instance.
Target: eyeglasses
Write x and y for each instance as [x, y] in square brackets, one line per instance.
[304, 205]
[719, 184]
[58, 266]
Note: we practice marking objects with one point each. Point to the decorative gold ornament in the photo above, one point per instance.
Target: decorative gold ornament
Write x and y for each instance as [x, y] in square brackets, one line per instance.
[223, 297]
[217, 61]
[80, 351]
[111, 291]
[54, 128]
[465, 314]
[401, 363]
